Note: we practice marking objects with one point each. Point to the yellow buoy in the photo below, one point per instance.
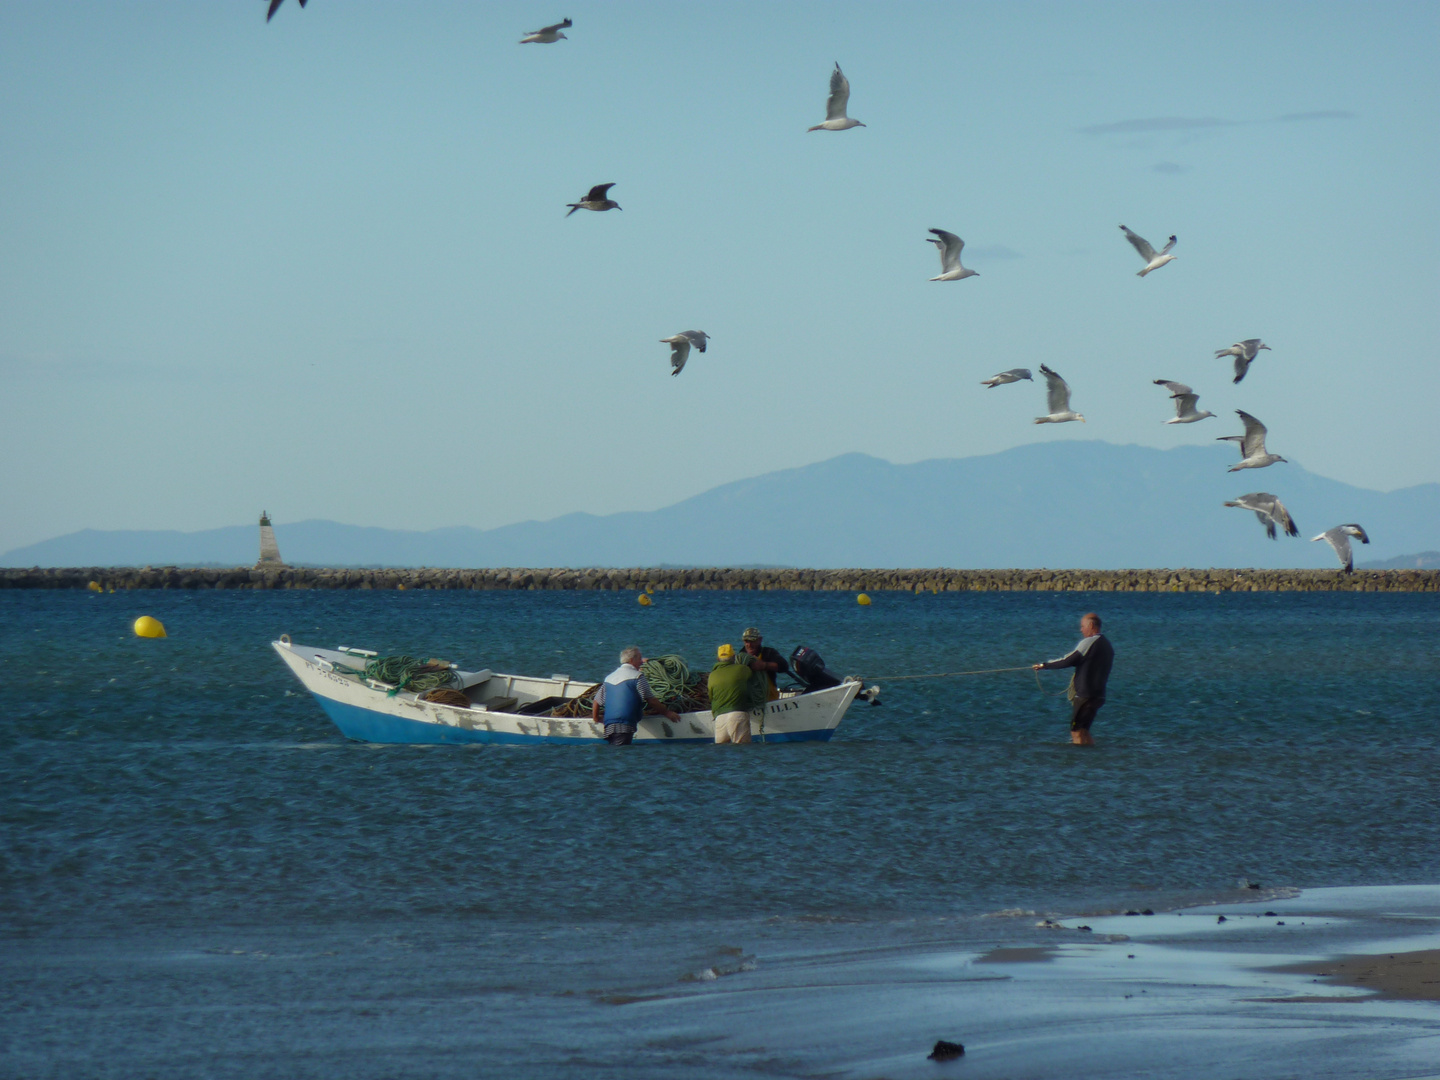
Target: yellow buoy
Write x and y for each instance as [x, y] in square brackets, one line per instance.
[94, 586]
[649, 589]
[145, 626]
[863, 600]
[644, 600]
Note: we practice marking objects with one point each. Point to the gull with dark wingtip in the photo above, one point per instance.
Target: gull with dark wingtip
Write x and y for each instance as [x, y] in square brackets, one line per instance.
[1244, 353]
[1339, 539]
[596, 199]
[1153, 259]
[950, 247]
[1015, 374]
[1253, 454]
[547, 35]
[680, 347]
[836, 103]
[1185, 400]
[1057, 395]
[274, 4]
[1270, 510]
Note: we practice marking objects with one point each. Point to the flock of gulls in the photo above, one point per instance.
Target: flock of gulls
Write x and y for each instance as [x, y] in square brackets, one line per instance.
[1253, 455]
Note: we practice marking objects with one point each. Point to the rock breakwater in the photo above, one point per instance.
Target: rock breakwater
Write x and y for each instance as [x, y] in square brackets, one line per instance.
[661, 579]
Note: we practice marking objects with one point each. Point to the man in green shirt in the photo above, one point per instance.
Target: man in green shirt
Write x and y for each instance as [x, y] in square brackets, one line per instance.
[736, 687]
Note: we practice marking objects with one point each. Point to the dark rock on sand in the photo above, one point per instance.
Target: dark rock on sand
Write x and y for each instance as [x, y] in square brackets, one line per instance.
[946, 1051]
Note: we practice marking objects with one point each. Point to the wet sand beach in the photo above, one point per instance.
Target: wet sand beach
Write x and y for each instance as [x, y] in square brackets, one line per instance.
[1406, 976]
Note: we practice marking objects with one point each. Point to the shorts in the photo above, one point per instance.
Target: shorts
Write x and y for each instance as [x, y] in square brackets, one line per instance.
[732, 727]
[619, 734]
[1084, 714]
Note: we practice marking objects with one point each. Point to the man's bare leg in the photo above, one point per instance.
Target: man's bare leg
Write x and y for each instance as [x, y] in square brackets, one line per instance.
[1077, 737]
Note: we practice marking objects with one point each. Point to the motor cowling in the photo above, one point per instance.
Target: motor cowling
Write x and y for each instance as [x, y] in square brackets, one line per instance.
[809, 667]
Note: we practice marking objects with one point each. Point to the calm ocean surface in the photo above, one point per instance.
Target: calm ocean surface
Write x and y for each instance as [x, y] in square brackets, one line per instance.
[200, 877]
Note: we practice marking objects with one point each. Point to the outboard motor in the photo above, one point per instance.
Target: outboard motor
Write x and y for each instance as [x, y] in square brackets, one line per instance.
[810, 669]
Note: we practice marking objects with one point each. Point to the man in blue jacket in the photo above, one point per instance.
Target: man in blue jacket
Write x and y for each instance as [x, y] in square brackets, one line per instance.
[622, 699]
[1091, 659]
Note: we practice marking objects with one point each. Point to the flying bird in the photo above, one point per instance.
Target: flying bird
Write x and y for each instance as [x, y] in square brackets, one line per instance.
[1252, 444]
[950, 247]
[1058, 398]
[1270, 510]
[1244, 353]
[1015, 374]
[1185, 400]
[1339, 539]
[1153, 260]
[596, 199]
[275, 4]
[547, 35]
[680, 347]
[835, 118]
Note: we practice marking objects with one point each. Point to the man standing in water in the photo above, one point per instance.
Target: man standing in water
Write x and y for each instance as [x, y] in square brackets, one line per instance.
[1091, 659]
[622, 699]
[736, 688]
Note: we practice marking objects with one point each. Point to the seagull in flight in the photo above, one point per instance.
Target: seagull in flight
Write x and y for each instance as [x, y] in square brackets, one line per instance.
[547, 35]
[1185, 400]
[835, 118]
[1153, 259]
[275, 4]
[1339, 539]
[1244, 353]
[1058, 397]
[1270, 510]
[1252, 444]
[950, 247]
[680, 347]
[1015, 374]
[596, 199]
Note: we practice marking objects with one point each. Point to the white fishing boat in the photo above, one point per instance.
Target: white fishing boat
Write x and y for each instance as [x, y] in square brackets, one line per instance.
[519, 709]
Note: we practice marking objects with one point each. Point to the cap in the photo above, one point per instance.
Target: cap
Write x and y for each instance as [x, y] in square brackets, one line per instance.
[725, 652]
[751, 634]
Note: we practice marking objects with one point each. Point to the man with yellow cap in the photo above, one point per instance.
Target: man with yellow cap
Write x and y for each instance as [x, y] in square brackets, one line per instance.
[736, 687]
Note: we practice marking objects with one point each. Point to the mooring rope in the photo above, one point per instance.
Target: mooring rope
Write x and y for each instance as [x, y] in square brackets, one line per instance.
[952, 674]
[944, 674]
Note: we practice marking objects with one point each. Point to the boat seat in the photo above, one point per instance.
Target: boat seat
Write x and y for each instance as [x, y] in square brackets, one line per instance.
[499, 704]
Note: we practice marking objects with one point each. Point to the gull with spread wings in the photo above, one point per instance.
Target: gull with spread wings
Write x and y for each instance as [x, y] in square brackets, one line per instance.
[680, 347]
[1057, 393]
[1253, 454]
[547, 35]
[1244, 353]
[835, 105]
[596, 199]
[1185, 400]
[1339, 539]
[1015, 374]
[1153, 259]
[950, 247]
[1270, 510]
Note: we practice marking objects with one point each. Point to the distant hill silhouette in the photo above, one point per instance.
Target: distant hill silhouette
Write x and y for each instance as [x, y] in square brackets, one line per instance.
[1060, 504]
[1425, 560]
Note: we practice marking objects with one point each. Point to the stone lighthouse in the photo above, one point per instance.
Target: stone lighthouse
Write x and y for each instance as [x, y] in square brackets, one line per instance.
[269, 550]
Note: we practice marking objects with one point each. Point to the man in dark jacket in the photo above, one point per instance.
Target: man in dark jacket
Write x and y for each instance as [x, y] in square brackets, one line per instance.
[1091, 659]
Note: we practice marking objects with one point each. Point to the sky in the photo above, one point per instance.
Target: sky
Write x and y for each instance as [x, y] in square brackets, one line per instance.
[322, 266]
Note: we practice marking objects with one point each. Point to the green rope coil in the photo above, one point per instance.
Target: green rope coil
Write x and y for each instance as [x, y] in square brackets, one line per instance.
[668, 676]
[405, 673]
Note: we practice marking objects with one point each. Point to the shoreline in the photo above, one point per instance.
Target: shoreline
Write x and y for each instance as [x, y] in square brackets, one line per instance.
[661, 579]
[1394, 976]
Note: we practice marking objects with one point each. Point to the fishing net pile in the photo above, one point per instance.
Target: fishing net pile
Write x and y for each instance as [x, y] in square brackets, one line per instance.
[406, 673]
[670, 680]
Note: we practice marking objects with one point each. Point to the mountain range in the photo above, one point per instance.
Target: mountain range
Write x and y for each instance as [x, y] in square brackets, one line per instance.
[1058, 504]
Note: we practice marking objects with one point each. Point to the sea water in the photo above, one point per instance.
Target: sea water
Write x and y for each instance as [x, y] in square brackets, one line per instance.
[200, 877]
